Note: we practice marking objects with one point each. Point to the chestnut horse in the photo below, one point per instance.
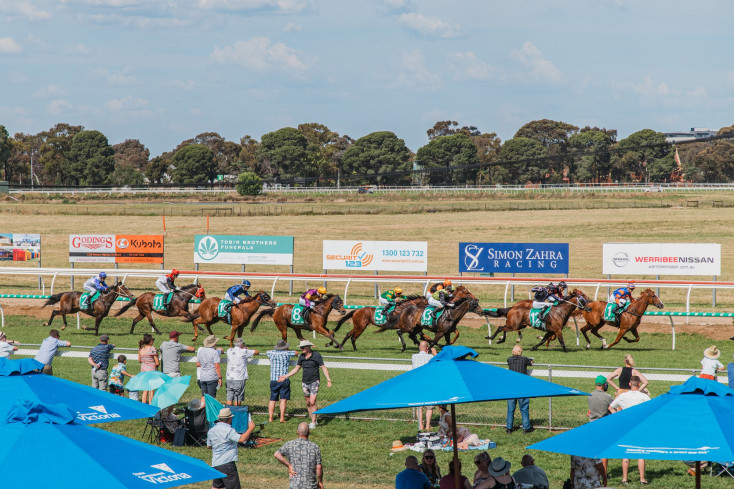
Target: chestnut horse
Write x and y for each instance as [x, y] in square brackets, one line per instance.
[240, 313]
[69, 304]
[317, 318]
[628, 321]
[179, 305]
[518, 317]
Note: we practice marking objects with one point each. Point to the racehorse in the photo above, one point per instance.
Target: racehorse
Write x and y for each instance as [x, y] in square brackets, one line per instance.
[179, 305]
[462, 302]
[318, 317]
[628, 321]
[240, 313]
[519, 317]
[69, 304]
[364, 316]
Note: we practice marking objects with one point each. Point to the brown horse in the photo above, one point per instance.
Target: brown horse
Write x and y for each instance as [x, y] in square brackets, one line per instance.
[627, 322]
[318, 317]
[407, 320]
[179, 305]
[519, 317]
[240, 313]
[69, 304]
[364, 316]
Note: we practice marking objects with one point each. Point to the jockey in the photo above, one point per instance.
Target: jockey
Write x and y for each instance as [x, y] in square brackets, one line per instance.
[308, 298]
[439, 299]
[95, 284]
[166, 285]
[543, 299]
[446, 284]
[233, 293]
[557, 290]
[389, 297]
[623, 295]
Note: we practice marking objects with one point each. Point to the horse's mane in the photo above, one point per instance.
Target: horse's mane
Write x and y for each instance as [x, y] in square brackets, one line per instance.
[190, 286]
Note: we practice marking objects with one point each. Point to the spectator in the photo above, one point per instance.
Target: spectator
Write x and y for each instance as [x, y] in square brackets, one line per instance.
[117, 376]
[599, 402]
[587, 473]
[169, 423]
[519, 363]
[279, 361]
[303, 459]
[531, 474]
[211, 373]
[48, 349]
[429, 467]
[171, 354]
[237, 372]
[482, 461]
[499, 471]
[626, 400]
[624, 374]
[710, 364]
[449, 481]
[464, 438]
[730, 372]
[412, 477]
[222, 440]
[7, 347]
[148, 358]
[310, 361]
[418, 360]
[99, 359]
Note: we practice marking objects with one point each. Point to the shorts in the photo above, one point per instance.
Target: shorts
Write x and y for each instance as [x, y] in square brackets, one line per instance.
[235, 390]
[209, 387]
[116, 389]
[280, 390]
[310, 389]
[232, 479]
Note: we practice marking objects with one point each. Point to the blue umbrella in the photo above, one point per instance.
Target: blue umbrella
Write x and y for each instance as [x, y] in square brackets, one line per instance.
[91, 405]
[169, 393]
[212, 408]
[147, 381]
[449, 378]
[73, 455]
[693, 421]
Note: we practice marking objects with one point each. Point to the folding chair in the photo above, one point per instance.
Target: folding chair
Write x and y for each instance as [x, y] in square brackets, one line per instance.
[719, 469]
[152, 430]
[239, 423]
[196, 424]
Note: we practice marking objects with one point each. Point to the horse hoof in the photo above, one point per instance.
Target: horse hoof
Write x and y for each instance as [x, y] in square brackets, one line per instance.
[84, 328]
[45, 324]
[517, 340]
[588, 346]
[62, 327]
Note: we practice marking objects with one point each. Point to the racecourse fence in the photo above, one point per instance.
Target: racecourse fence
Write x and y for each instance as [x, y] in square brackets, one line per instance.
[354, 374]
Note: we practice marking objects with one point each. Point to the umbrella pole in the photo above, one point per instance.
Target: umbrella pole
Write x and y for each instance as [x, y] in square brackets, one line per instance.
[457, 472]
[698, 474]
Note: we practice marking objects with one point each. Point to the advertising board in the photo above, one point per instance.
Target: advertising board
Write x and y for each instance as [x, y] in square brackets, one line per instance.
[245, 250]
[661, 259]
[408, 256]
[514, 257]
[20, 247]
[116, 248]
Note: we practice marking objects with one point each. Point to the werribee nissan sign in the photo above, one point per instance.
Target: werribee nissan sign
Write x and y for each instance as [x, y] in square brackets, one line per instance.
[662, 259]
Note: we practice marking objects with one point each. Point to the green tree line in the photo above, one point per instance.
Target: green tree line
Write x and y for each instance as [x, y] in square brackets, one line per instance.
[542, 151]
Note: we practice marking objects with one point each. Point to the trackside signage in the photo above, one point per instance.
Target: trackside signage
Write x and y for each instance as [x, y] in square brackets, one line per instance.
[116, 248]
[514, 257]
[245, 250]
[662, 259]
[407, 256]
[20, 247]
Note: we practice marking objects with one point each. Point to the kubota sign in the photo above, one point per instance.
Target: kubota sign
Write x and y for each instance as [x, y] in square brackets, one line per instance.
[115, 248]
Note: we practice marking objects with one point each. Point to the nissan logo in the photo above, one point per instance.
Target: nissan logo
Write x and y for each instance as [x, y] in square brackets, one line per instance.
[621, 259]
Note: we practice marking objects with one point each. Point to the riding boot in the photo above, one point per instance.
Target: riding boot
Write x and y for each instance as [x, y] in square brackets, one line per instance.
[385, 309]
[229, 317]
[306, 314]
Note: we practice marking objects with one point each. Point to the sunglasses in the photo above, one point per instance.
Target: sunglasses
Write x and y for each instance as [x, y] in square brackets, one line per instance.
[429, 457]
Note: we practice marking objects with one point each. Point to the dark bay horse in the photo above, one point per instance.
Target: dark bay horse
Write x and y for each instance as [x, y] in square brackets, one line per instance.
[240, 313]
[318, 317]
[462, 302]
[629, 320]
[518, 317]
[69, 304]
[179, 305]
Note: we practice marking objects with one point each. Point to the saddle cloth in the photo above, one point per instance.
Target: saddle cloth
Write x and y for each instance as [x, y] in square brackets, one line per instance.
[609, 315]
[222, 308]
[85, 302]
[536, 319]
[160, 301]
[379, 319]
[426, 319]
[297, 315]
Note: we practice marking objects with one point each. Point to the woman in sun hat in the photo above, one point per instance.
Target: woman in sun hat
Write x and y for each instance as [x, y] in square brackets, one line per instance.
[709, 364]
[208, 359]
[500, 478]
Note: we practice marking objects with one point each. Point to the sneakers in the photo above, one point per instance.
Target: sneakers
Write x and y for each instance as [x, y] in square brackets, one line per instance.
[311, 426]
[529, 430]
[508, 431]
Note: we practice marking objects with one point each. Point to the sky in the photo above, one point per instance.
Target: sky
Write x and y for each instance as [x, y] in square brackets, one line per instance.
[163, 71]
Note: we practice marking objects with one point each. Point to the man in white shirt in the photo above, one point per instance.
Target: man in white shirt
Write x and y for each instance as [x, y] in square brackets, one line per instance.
[418, 360]
[7, 347]
[626, 400]
[237, 372]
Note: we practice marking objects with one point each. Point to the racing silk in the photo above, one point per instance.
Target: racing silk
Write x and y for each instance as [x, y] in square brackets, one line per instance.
[165, 284]
[440, 296]
[95, 283]
[389, 295]
[309, 295]
[541, 293]
[622, 293]
[237, 290]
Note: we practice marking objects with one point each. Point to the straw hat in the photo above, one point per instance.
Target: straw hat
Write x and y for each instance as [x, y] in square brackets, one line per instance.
[210, 341]
[712, 352]
[305, 343]
[225, 413]
[499, 466]
[397, 446]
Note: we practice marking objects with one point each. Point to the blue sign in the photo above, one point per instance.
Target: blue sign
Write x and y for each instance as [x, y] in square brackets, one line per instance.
[514, 257]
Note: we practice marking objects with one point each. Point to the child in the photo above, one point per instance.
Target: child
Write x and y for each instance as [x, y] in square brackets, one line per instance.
[710, 365]
[117, 375]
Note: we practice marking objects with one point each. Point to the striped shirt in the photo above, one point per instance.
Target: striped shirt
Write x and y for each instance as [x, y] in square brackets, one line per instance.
[100, 355]
[279, 362]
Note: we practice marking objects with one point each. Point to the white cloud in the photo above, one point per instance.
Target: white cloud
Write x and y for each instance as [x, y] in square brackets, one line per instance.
[281, 6]
[541, 69]
[430, 26]
[128, 103]
[58, 106]
[48, 91]
[292, 27]
[260, 54]
[23, 8]
[9, 46]
[121, 78]
[467, 65]
[415, 74]
[185, 85]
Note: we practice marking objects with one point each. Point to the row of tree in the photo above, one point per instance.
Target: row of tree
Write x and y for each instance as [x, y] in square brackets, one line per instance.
[542, 151]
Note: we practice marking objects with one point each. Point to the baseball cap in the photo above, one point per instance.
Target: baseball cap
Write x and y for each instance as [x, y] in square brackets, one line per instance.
[174, 334]
[104, 337]
[600, 380]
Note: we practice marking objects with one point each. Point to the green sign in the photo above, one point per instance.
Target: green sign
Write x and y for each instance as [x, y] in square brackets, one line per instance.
[245, 250]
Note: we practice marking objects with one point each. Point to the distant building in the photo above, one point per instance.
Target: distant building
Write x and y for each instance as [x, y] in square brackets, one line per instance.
[694, 133]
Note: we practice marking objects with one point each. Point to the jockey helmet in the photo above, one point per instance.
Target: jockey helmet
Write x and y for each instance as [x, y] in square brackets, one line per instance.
[174, 273]
[321, 290]
[246, 283]
[439, 287]
[551, 285]
[199, 291]
[562, 285]
[631, 284]
[102, 275]
[447, 282]
[398, 290]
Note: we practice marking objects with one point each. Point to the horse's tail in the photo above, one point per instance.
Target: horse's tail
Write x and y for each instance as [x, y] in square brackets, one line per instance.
[266, 312]
[499, 312]
[343, 320]
[127, 306]
[53, 299]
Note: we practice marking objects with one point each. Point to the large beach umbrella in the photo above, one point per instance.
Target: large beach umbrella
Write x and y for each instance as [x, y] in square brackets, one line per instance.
[60, 453]
[693, 421]
[147, 381]
[21, 379]
[169, 393]
[449, 378]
